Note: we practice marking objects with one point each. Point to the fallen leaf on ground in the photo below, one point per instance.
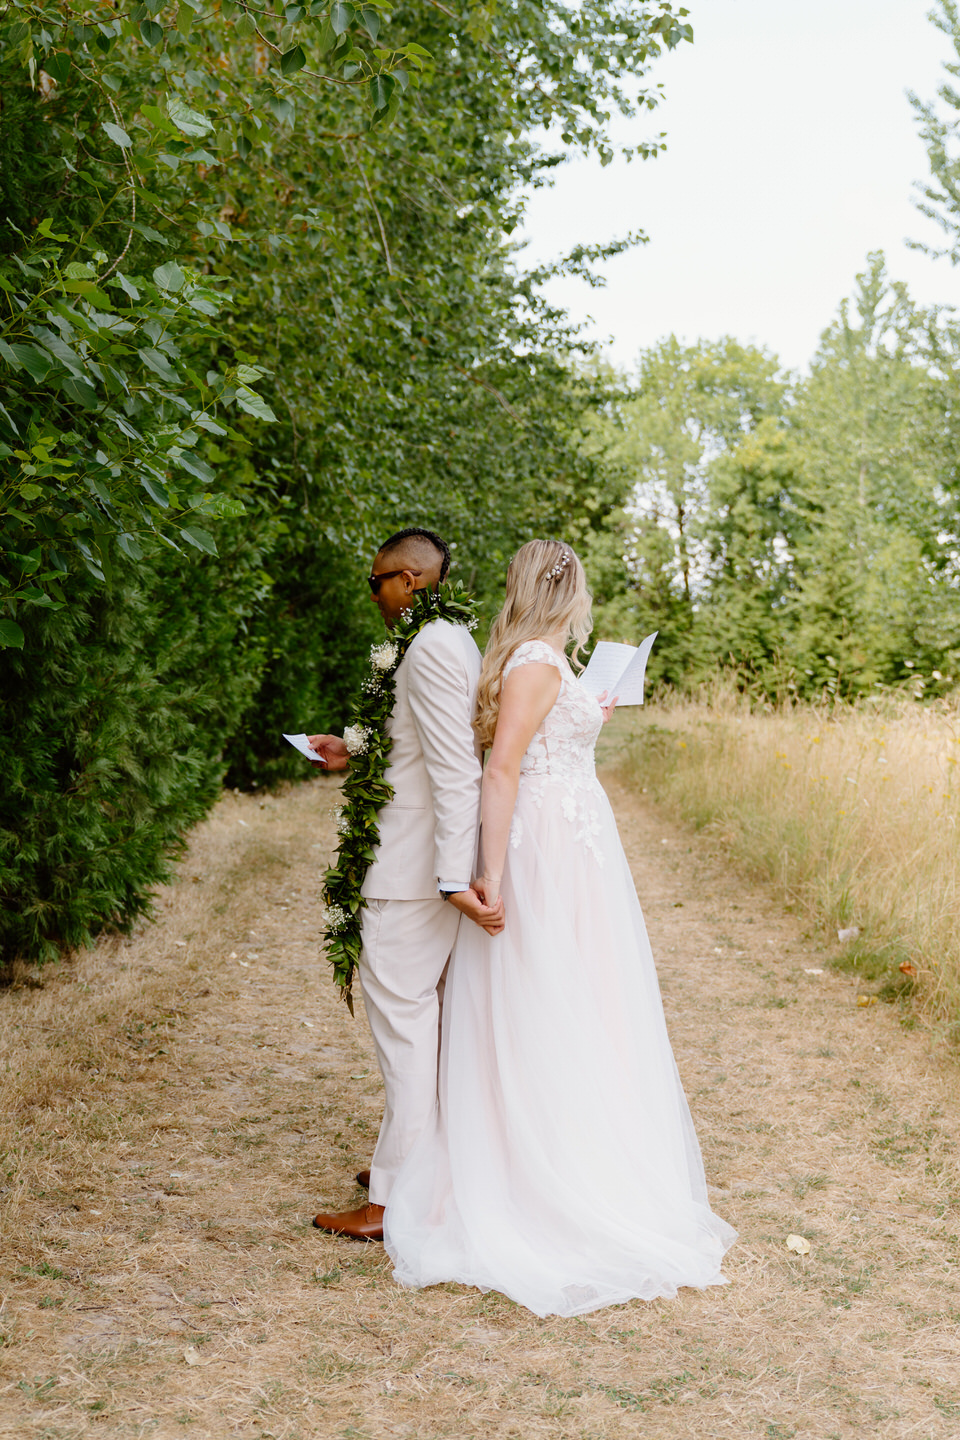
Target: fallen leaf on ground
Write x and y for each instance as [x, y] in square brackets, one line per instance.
[798, 1244]
[852, 932]
[192, 1356]
[815, 971]
[906, 968]
[863, 1000]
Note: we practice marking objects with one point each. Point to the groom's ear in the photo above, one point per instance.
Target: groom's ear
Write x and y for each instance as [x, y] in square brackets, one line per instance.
[424, 581]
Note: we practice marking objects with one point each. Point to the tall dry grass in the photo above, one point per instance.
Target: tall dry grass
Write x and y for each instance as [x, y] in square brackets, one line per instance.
[852, 813]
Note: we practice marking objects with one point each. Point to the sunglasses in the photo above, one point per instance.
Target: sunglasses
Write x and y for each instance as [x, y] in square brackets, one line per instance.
[375, 581]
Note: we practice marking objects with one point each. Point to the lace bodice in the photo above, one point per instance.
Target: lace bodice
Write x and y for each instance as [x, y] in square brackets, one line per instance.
[563, 745]
[558, 777]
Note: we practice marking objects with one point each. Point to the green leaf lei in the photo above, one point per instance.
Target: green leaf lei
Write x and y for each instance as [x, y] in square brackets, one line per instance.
[365, 790]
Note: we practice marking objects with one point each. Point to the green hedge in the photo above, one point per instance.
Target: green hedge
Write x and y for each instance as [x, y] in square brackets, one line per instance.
[125, 711]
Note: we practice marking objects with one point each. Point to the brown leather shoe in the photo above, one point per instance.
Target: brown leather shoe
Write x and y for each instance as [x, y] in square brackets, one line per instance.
[363, 1224]
[363, 1178]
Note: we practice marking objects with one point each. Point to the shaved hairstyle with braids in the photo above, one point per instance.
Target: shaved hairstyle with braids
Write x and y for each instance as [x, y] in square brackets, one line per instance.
[413, 545]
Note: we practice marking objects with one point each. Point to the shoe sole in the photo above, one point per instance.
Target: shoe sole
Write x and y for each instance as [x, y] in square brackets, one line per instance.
[345, 1234]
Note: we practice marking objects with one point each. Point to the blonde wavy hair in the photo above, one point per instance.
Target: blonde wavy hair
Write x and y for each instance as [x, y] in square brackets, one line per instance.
[546, 594]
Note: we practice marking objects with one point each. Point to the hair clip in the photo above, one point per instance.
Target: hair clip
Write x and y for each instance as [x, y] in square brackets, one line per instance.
[560, 566]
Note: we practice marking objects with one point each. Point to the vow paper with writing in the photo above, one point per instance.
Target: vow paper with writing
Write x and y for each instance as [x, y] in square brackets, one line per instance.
[618, 669]
[300, 742]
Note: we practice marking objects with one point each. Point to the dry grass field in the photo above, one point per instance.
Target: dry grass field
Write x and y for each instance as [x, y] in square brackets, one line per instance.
[177, 1104]
[852, 813]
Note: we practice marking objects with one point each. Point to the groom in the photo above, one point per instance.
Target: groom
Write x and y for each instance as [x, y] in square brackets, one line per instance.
[418, 885]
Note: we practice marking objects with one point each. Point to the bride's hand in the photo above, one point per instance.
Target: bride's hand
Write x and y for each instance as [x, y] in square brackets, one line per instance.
[607, 709]
[489, 890]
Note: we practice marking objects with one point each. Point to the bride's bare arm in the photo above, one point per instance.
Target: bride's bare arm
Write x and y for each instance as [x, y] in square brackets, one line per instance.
[528, 693]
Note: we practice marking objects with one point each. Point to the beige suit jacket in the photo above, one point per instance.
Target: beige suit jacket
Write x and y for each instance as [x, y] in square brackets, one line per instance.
[428, 831]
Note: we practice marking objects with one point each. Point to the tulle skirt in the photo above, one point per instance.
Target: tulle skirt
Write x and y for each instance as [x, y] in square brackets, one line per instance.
[561, 1167]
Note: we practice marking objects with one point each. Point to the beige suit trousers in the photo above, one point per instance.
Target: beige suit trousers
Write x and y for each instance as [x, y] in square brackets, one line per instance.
[406, 946]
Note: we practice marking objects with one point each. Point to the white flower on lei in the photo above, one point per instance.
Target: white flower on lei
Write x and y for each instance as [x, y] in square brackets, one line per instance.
[340, 820]
[356, 738]
[382, 657]
[336, 918]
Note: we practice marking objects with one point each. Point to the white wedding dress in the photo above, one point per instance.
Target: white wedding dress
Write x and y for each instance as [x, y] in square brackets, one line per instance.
[561, 1167]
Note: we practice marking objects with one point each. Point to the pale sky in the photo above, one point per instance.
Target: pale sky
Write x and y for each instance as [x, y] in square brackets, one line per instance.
[792, 152]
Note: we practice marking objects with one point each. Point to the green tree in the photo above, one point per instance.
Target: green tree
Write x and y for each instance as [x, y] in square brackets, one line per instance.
[256, 144]
[416, 375]
[874, 564]
[689, 405]
[939, 125]
[806, 535]
[750, 535]
[268, 214]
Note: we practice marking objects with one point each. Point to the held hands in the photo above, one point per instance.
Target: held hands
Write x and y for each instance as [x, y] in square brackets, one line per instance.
[484, 911]
[607, 708]
[332, 754]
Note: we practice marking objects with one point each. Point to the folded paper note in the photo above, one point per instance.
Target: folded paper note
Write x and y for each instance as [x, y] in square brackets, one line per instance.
[300, 742]
[618, 669]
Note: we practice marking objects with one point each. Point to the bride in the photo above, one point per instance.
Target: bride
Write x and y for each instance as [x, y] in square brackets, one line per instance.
[561, 1166]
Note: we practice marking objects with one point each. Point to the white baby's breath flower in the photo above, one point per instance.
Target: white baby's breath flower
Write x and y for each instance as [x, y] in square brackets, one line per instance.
[336, 918]
[356, 739]
[340, 820]
[383, 656]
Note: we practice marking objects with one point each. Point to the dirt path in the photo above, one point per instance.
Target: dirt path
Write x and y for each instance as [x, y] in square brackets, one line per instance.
[187, 1098]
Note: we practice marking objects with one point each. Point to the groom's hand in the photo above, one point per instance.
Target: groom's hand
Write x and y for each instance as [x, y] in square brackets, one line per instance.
[332, 754]
[488, 917]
